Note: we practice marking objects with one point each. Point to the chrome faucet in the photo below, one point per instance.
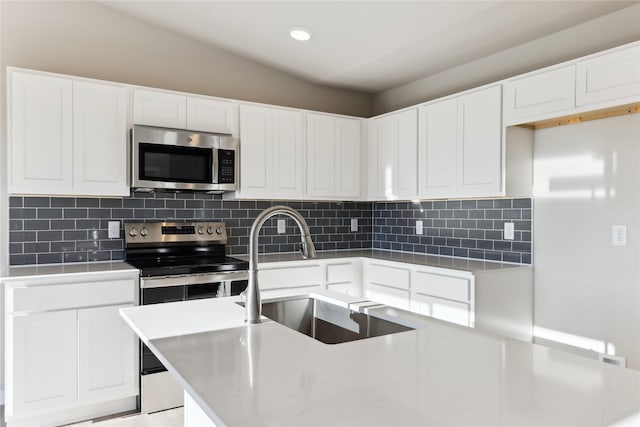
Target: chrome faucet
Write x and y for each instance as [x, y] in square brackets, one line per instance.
[253, 303]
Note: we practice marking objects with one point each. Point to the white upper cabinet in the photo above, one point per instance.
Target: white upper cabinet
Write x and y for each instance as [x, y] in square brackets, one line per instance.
[539, 96]
[288, 156]
[460, 147]
[321, 145]
[40, 134]
[100, 132]
[162, 109]
[211, 115]
[438, 148]
[480, 143]
[612, 76]
[67, 137]
[271, 152]
[393, 152]
[333, 156]
[347, 155]
[180, 111]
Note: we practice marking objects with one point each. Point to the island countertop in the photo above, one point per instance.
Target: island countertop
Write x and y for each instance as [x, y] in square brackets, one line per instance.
[439, 374]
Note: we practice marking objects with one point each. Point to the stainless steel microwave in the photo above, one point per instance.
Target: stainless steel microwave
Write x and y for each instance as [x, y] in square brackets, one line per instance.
[176, 159]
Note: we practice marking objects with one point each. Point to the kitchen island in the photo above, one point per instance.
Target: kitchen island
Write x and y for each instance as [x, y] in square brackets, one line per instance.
[438, 374]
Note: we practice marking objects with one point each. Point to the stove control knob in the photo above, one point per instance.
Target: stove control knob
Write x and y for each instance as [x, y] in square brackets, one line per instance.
[133, 232]
[219, 230]
[200, 230]
[144, 232]
[209, 230]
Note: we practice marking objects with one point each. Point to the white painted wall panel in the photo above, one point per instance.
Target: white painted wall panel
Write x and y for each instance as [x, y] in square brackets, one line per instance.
[586, 179]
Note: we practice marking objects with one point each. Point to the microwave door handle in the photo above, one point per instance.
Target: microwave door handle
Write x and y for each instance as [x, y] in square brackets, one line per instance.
[215, 167]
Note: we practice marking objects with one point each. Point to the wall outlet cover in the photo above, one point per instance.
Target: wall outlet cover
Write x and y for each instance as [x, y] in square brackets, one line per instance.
[509, 231]
[281, 226]
[419, 227]
[619, 237]
[354, 224]
[114, 229]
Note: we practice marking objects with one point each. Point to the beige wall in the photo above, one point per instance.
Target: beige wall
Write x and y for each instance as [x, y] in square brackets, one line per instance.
[87, 39]
[586, 179]
[599, 34]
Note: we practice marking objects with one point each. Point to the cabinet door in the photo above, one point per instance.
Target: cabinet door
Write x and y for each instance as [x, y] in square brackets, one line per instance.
[100, 139]
[43, 365]
[539, 96]
[439, 149]
[287, 166]
[211, 115]
[439, 308]
[480, 143]
[615, 76]
[385, 295]
[383, 146]
[255, 151]
[407, 155]
[347, 158]
[107, 365]
[393, 151]
[159, 109]
[321, 145]
[40, 135]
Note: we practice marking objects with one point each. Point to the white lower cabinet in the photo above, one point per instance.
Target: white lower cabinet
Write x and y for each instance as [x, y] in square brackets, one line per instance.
[43, 362]
[387, 295]
[73, 360]
[290, 275]
[440, 308]
[491, 298]
[105, 354]
[344, 277]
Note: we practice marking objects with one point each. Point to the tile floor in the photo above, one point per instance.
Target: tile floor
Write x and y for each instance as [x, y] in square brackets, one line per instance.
[169, 418]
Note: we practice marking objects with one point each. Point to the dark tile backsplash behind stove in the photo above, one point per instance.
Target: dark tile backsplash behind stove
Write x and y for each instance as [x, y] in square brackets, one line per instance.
[46, 230]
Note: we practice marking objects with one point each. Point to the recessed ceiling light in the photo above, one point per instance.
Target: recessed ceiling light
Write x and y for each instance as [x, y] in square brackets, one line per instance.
[300, 34]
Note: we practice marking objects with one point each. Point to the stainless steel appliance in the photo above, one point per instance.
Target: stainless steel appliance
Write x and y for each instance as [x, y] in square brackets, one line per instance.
[177, 159]
[178, 261]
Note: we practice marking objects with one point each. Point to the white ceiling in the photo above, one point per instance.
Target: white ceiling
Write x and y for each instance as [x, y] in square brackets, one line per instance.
[369, 46]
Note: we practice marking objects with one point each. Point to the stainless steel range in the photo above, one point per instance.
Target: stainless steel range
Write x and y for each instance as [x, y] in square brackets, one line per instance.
[178, 261]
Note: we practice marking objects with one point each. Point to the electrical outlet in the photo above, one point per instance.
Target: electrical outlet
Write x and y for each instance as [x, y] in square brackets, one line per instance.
[281, 226]
[619, 235]
[419, 228]
[354, 224]
[114, 229]
[509, 231]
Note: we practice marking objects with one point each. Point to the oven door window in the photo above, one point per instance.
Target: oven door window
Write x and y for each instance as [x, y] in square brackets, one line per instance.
[175, 163]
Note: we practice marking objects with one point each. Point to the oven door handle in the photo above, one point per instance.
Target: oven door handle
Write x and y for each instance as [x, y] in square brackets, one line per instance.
[193, 279]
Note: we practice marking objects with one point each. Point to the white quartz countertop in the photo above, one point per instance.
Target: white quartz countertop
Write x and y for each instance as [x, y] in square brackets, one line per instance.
[43, 271]
[463, 264]
[439, 374]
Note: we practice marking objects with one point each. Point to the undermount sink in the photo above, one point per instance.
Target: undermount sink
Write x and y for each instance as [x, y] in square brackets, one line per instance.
[326, 322]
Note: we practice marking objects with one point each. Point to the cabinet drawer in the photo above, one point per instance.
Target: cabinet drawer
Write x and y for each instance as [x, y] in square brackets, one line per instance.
[385, 295]
[609, 77]
[533, 97]
[290, 277]
[340, 273]
[388, 276]
[437, 285]
[450, 311]
[72, 295]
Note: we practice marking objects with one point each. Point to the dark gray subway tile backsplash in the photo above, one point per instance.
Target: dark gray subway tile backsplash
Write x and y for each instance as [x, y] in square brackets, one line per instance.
[47, 230]
[462, 228]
